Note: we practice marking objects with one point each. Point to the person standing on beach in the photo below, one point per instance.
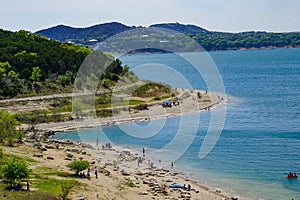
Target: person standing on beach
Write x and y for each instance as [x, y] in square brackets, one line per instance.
[143, 152]
[172, 164]
[96, 172]
[189, 187]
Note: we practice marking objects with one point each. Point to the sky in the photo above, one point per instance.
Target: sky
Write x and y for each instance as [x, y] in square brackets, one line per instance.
[214, 15]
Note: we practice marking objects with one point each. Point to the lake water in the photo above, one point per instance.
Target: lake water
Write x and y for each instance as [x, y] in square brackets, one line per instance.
[260, 140]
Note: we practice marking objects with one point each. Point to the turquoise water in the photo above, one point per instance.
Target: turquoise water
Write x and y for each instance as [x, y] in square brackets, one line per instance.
[260, 140]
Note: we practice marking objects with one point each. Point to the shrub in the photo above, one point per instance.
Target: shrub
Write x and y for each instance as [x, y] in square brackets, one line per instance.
[15, 170]
[78, 166]
[10, 142]
[66, 188]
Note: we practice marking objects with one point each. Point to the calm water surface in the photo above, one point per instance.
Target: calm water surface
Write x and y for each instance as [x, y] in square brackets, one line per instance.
[260, 140]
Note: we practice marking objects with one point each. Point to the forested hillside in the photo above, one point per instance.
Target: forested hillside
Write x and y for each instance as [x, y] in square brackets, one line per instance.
[31, 64]
[213, 41]
[83, 35]
[209, 40]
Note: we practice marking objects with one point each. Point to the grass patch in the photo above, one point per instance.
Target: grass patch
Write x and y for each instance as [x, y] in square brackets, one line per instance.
[45, 169]
[53, 186]
[152, 89]
[135, 102]
[26, 159]
[35, 195]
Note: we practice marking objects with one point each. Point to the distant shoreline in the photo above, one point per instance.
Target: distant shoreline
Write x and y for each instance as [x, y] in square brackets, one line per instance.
[189, 104]
[240, 49]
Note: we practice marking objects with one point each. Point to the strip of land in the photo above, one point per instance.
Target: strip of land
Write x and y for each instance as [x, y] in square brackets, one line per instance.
[189, 101]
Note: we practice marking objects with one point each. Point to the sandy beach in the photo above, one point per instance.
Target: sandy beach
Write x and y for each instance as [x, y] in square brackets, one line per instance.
[122, 174]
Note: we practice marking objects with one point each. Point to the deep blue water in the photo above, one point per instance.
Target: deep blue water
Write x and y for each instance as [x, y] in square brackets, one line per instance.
[260, 140]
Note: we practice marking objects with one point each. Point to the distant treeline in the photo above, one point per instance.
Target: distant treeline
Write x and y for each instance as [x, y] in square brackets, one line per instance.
[209, 40]
[232, 41]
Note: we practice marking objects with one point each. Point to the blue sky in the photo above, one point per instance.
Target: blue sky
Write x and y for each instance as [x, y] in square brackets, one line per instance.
[218, 15]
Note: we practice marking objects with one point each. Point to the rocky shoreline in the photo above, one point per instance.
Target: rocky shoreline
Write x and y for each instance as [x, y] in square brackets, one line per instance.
[118, 167]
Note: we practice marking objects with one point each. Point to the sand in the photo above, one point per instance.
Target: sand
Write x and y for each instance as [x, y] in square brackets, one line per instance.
[117, 169]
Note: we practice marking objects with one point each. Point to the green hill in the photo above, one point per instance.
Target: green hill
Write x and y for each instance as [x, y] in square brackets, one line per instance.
[31, 64]
[83, 35]
[185, 29]
[209, 40]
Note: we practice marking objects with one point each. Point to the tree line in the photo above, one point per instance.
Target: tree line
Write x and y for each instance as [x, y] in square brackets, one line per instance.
[212, 41]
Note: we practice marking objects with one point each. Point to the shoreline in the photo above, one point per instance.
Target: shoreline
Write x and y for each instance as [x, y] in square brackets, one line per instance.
[185, 107]
[188, 105]
[159, 174]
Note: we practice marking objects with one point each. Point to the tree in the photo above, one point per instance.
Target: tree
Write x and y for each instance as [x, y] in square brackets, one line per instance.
[78, 166]
[36, 74]
[15, 170]
[8, 123]
[66, 187]
[9, 81]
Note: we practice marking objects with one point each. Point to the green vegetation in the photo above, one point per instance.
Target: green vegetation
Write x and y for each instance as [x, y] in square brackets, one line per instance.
[152, 89]
[209, 40]
[34, 195]
[213, 41]
[1, 153]
[83, 35]
[31, 64]
[14, 170]
[8, 123]
[54, 186]
[78, 166]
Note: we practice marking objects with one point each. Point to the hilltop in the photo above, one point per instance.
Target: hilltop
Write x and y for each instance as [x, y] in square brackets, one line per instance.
[209, 40]
[83, 35]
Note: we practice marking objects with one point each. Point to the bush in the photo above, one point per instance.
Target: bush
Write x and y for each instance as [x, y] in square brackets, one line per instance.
[66, 188]
[78, 166]
[15, 170]
[10, 142]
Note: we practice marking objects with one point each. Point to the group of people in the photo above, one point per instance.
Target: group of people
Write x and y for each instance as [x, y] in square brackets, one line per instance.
[140, 159]
[88, 174]
[107, 146]
[188, 188]
[292, 174]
